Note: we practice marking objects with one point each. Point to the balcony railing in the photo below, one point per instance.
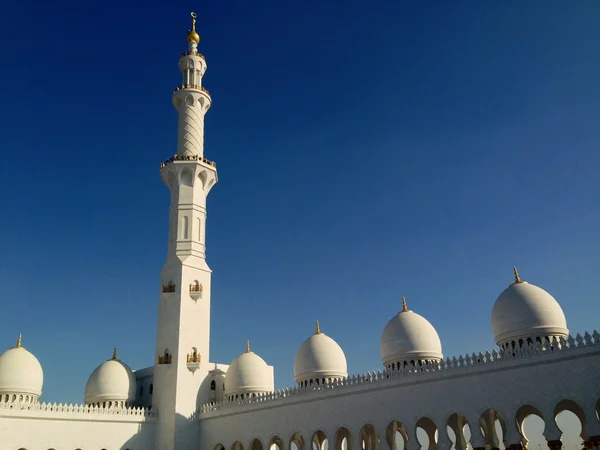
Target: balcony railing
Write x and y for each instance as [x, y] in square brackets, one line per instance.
[194, 358]
[192, 53]
[196, 287]
[168, 288]
[192, 86]
[164, 359]
[188, 158]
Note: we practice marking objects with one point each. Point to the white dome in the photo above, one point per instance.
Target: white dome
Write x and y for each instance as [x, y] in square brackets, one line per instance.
[524, 310]
[248, 374]
[319, 357]
[409, 337]
[20, 372]
[112, 381]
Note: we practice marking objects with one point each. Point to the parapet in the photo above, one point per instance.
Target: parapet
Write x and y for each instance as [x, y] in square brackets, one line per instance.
[87, 412]
[528, 353]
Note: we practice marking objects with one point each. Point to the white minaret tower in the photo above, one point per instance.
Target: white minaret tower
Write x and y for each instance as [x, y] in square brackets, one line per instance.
[183, 337]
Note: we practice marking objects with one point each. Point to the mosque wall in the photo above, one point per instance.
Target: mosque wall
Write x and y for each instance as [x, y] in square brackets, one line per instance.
[75, 427]
[144, 386]
[509, 389]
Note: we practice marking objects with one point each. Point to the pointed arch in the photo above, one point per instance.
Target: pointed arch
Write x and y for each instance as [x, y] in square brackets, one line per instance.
[569, 406]
[298, 441]
[523, 413]
[394, 429]
[318, 440]
[256, 444]
[343, 439]
[275, 443]
[430, 430]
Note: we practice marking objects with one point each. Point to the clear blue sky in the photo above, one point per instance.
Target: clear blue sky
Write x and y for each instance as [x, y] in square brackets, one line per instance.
[364, 153]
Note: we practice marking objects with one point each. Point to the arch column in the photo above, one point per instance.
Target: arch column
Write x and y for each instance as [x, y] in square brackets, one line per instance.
[512, 436]
[477, 439]
[457, 423]
[551, 432]
[488, 422]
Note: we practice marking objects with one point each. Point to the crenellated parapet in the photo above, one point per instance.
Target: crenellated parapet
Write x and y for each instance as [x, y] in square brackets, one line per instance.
[475, 363]
[75, 409]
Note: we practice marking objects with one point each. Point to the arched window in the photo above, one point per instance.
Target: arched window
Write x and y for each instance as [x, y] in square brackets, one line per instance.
[151, 388]
[213, 385]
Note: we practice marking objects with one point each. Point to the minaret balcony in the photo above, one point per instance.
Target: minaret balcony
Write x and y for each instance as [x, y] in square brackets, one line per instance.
[188, 158]
[196, 290]
[193, 361]
[166, 358]
[168, 288]
[192, 53]
[192, 86]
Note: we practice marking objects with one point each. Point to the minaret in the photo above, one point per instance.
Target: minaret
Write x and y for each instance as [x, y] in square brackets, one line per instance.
[183, 336]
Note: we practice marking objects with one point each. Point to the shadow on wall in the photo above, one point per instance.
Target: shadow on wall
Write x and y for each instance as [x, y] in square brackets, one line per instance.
[141, 439]
[189, 431]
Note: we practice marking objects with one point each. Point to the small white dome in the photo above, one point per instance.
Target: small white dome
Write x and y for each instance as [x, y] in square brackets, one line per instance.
[20, 372]
[524, 311]
[248, 374]
[319, 357]
[112, 381]
[409, 337]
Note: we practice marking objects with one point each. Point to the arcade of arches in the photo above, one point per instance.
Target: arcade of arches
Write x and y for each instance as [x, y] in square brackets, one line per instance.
[534, 433]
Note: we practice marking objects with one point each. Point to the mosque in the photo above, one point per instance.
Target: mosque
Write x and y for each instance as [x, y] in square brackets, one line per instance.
[417, 400]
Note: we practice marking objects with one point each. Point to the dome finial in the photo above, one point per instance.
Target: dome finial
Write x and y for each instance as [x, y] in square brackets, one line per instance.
[318, 328]
[114, 356]
[19, 341]
[248, 346]
[404, 307]
[517, 278]
[193, 36]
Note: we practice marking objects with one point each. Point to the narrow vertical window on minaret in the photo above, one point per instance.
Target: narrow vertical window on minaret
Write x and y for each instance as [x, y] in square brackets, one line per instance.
[185, 227]
[199, 230]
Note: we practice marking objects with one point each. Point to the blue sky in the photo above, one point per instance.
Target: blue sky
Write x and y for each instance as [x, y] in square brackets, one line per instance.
[364, 153]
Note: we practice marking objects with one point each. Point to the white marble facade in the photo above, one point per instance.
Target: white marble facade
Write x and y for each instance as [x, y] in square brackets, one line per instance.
[416, 399]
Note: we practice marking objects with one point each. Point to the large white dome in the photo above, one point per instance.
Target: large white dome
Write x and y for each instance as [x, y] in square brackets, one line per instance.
[112, 381]
[526, 311]
[409, 337]
[319, 357]
[248, 374]
[20, 372]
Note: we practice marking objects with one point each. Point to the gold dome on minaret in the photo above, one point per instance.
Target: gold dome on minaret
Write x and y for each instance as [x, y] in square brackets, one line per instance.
[192, 35]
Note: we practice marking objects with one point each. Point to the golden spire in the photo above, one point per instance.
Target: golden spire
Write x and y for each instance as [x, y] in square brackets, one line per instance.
[517, 278]
[404, 307]
[318, 328]
[19, 341]
[192, 35]
[114, 357]
[248, 346]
